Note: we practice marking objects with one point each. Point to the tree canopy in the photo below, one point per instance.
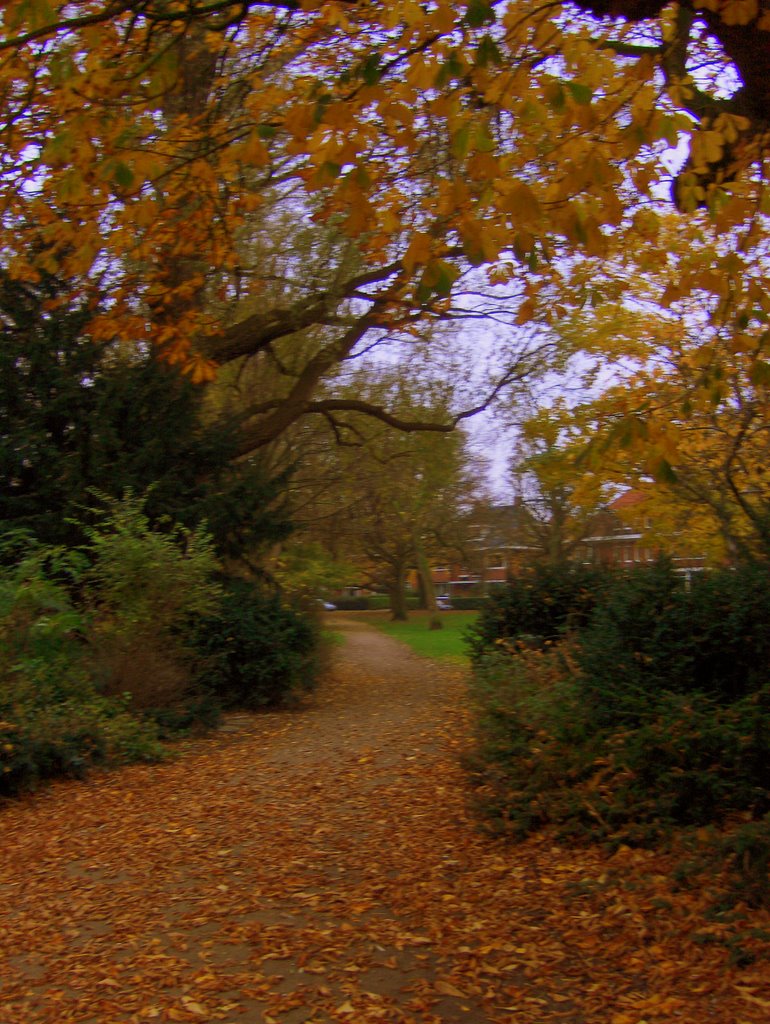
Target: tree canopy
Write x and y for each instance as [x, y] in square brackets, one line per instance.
[150, 146]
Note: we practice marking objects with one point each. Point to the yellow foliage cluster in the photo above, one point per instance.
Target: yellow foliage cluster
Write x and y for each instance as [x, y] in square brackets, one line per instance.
[139, 145]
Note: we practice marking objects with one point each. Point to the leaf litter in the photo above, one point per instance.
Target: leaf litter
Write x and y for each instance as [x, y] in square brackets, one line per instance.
[326, 865]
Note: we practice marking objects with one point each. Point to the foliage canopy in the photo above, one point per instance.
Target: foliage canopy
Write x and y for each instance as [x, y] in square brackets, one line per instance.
[146, 143]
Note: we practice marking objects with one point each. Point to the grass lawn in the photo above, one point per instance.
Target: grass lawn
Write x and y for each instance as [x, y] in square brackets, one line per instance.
[446, 643]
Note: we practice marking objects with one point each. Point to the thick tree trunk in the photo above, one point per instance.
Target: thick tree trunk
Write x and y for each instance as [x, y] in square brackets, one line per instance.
[426, 586]
[398, 611]
[397, 594]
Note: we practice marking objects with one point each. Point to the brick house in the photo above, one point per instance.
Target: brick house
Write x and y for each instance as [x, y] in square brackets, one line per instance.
[497, 550]
[616, 536]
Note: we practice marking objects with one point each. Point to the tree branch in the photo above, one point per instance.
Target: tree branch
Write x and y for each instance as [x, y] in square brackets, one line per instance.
[297, 403]
[257, 332]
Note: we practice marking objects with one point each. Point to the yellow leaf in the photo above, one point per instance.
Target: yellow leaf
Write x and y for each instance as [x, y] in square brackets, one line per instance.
[253, 151]
[526, 312]
[521, 202]
[193, 1007]
[419, 251]
[647, 224]
[422, 73]
[449, 990]
[200, 370]
[478, 244]
[338, 115]
[389, 221]
[299, 121]
[360, 218]
[707, 147]
[748, 995]
[732, 126]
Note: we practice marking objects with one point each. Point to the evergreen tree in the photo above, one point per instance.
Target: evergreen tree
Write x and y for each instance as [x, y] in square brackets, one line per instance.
[78, 417]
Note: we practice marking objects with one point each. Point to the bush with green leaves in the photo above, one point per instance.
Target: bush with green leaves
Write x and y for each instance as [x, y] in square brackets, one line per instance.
[144, 585]
[381, 602]
[53, 720]
[76, 414]
[649, 633]
[468, 604]
[352, 604]
[259, 651]
[542, 604]
[532, 740]
[652, 713]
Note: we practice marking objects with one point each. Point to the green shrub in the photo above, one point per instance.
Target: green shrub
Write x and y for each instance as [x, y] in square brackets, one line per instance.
[42, 737]
[728, 624]
[648, 634]
[139, 576]
[468, 604]
[532, 739]
[651, 714]
[381, 602]
[77, 414]
[747, 849]
[635, 644]
[141, 590]
[544, 603]
[52, 719]
[93, 644]
[259, 652]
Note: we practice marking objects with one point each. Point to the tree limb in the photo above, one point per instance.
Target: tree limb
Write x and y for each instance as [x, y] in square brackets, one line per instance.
[258, 331]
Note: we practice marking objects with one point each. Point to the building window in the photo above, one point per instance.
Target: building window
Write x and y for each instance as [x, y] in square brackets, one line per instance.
[496, 561]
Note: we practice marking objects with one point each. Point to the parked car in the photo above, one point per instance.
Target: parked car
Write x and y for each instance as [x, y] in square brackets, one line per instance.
[327, 605]
[443, 604]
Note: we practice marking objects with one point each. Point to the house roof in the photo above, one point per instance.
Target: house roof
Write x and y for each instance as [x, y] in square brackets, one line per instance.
[627, 500]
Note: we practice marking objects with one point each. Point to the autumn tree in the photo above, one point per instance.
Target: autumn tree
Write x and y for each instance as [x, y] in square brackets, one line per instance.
[401, 513]
[698, 446]
[557, 491]
[385, 499]
[674, 399]
[142, 138]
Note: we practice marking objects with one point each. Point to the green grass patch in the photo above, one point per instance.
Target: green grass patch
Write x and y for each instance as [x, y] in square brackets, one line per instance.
[446, 644]
[330, 638]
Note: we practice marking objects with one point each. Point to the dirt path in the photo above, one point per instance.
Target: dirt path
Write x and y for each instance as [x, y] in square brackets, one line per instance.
[322, 866]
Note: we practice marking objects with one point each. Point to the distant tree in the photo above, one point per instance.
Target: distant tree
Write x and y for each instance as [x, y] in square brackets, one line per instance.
[383, 499]
[558, 493]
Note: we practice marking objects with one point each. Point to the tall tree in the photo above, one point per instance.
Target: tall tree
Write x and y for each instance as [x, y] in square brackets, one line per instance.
[392, 497]
[698, 444]
[76, 416]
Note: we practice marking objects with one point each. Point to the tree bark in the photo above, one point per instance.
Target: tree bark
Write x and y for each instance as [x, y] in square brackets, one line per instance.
[426, 585]
[397, 594]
